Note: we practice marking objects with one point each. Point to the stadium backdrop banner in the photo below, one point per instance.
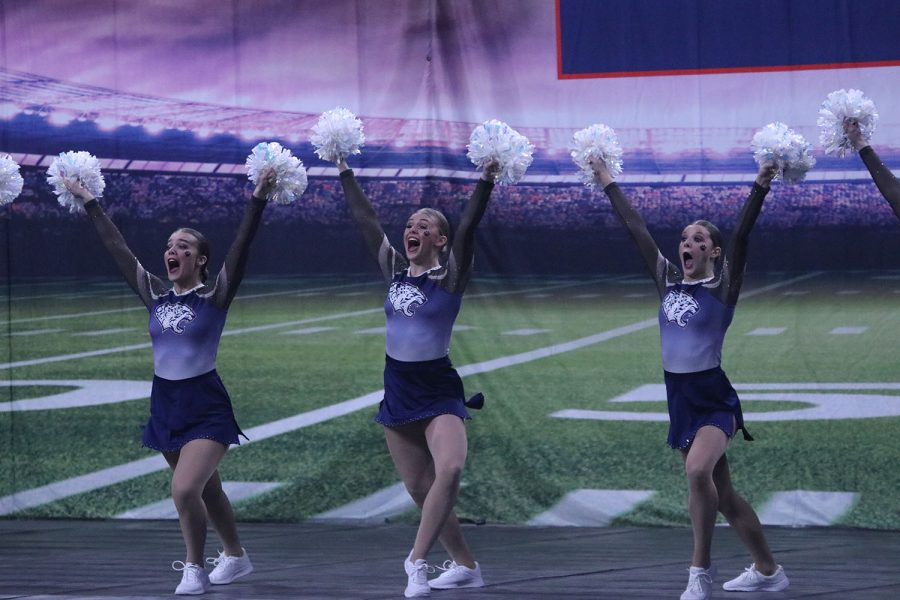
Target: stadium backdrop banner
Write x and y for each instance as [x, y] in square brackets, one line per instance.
[559, 324]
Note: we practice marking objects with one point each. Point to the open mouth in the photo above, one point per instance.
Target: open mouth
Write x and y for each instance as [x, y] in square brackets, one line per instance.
[172, 264]
[412, 243]
[687, 260]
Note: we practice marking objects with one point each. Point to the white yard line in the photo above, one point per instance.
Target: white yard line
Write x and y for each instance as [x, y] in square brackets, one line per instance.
[112, 311]
[254, 329]
[124, 472]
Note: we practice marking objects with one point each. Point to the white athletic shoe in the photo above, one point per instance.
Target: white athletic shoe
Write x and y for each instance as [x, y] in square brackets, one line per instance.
[752, 580]
[228, 568]
[699, 585]
[417, 578]
[193, 579]
[457, 576]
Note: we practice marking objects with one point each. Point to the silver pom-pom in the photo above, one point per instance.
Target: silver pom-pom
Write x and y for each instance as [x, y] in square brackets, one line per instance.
[839, 106]
[792, 155]
[597, 142]
[10, 180]
[495, 141]
[81, 166]
[337, 135]
[290, 175]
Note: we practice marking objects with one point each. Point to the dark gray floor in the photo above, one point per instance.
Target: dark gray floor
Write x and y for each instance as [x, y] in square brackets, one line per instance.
[130, 560]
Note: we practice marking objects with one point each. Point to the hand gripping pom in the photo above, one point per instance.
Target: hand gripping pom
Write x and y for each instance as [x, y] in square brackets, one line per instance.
[10, 180]
[337, 135]
[791, 153]
[839, 106]
[290, 175]
[496, 141]
[80, 166]
[597, 142]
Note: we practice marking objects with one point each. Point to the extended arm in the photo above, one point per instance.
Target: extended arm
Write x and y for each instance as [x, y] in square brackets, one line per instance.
[463, 249]
[236, 260]
[631, 218]
[364, 214]
[736, 258]
[885, 180]
[112, 240]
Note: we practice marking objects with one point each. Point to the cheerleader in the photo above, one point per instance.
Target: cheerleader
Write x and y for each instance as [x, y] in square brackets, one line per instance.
[191, 419]
[423, 410]
[697, 305]
[885, 180]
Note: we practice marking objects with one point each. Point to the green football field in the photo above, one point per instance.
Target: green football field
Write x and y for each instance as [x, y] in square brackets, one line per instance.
[813, 355]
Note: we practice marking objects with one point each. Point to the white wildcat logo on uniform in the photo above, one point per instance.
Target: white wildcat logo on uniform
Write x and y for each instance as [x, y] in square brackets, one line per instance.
[679, 307]
[174, 316]
[405, 297]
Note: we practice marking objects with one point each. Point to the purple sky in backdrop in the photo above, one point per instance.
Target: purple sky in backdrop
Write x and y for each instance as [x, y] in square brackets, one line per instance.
[465, 60]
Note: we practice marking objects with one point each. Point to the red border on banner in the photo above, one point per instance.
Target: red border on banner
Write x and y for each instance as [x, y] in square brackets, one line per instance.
[676, 72]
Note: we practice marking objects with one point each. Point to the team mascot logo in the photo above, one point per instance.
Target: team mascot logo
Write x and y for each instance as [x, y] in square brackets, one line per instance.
[174, 316]
[679, 307]
[405, 297]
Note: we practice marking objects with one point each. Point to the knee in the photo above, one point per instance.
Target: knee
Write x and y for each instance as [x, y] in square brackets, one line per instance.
[184, 493]
[418, 491]
[449, 472]
[697, 474]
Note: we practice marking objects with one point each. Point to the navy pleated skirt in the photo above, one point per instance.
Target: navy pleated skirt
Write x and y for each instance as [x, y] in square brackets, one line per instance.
[189, 409]
[414, 391]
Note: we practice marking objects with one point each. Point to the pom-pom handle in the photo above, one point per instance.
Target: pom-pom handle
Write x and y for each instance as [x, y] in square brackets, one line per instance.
[792, 155]
[81, 166]
[290, 175]
[496, 142]
[597, 142]
[838, 107]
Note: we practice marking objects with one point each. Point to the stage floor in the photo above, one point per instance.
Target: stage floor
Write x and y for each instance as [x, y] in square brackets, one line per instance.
[131, 560]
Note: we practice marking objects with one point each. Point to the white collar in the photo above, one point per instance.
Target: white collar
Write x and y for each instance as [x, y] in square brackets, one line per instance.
[185, 293]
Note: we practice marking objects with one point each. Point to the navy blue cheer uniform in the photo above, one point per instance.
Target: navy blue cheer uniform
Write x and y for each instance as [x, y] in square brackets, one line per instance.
[188, 400]
[693, 319]
[419, 379]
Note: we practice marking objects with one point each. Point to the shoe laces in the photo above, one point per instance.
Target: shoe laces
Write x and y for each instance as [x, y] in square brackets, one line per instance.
[694, 581]
[189, 570]
[449, 565]
[215, 561]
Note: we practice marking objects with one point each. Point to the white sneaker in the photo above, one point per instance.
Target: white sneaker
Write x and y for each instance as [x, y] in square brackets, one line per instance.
[417, 578]
[193, 579]
[699, 585]
[228, 568]
[457, 576]
[752, 580]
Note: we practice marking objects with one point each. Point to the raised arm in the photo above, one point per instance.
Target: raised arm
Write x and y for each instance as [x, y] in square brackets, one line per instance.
[229, 278]
[885, 180]
[113, 241]
[632, 220]
[736, 257]
[364, 215]
[463, 250]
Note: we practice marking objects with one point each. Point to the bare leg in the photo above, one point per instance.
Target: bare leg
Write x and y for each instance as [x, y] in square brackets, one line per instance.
[699, 461]
[218, 508]
[743, 519]
[411, 447]
[194, 465]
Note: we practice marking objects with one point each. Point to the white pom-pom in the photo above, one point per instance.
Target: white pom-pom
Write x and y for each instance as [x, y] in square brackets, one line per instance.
[792, 155]
[596, 142]
[10, 180]
[290, 175]
[495, 141]
[838, 106]
[337, 135]
[81, 166]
